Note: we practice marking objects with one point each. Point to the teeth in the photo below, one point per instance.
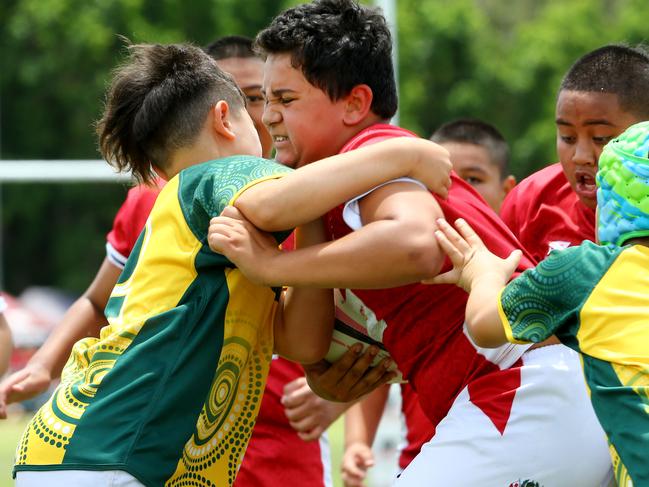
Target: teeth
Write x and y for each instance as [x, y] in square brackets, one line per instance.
[279, 138]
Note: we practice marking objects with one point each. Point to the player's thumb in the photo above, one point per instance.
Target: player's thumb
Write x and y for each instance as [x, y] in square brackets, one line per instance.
[449, 277]
[514, 258]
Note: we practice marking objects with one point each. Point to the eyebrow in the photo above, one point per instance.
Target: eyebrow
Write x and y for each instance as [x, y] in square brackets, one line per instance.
[478, 169]
[278, 92]
[594, 121]
[251, 87]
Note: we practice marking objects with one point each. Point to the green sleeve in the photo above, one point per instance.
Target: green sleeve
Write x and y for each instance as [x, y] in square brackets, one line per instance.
[207, 188]
[547, 299]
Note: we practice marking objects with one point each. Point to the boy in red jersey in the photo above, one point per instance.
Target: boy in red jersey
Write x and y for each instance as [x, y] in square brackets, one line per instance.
[488, 407]
[603, 93]
[480, 156]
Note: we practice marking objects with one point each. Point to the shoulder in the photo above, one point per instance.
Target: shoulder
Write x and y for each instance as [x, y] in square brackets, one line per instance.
[373, 134]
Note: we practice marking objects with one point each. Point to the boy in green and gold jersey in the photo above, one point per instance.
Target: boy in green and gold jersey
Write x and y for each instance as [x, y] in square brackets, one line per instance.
[594, 298]
[169, 392]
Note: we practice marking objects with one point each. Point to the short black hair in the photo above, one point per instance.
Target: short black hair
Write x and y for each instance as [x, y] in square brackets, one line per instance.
[337, 44]
[157, 102]
[615, 68]
[477, 132]
[231, 46]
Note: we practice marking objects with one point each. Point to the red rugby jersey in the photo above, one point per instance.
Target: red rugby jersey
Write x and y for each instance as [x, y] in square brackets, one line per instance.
[546, 214]
[424, 329]
[419, 429]
[270, 458]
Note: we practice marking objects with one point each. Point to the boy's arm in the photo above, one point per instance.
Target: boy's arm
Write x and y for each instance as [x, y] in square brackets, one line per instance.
[84, 318]
[394, 247]
[311, 191]
[361, 423]
[6, 344]
[304, 319]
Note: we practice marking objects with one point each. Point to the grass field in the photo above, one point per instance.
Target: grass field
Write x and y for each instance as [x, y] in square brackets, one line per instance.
[11, 429]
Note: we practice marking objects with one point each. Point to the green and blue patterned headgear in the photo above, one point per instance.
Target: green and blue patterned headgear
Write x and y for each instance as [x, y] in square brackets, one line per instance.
[623, 187]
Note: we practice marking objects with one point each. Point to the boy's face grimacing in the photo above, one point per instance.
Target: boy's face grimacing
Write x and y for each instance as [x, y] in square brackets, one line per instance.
[304, 123]
[585, 122]
[472, 163]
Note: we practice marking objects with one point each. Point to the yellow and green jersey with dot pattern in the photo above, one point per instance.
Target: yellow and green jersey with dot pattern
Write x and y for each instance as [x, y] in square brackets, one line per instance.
[595, 299]
[170, 390]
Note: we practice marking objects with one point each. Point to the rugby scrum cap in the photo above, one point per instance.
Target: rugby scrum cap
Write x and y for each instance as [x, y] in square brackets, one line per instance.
[623, 187]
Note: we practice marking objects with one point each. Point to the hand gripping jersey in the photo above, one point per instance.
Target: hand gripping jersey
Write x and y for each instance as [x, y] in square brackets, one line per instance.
[424, 325]
[595, 299]
[546, 214]
[170, 390]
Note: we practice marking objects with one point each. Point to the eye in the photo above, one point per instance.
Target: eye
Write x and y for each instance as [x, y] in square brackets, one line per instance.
[602, 140]
[473, 181]
[567, 139]
[254, 99]
[286, 100]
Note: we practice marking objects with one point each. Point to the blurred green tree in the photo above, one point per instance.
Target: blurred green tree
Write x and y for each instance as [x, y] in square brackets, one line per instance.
[500, 61]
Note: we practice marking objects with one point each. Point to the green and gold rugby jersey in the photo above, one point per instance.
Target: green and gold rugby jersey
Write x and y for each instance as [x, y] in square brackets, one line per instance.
[595, 299]
[170, 390]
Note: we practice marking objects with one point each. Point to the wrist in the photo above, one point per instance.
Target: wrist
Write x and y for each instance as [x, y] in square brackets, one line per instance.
[491, 279]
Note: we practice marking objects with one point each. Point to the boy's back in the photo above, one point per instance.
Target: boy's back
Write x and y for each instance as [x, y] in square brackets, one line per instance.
[165, 307]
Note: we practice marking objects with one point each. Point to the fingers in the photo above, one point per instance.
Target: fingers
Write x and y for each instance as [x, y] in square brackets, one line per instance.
[356, 372]
[450, 277]
[375, 377]
[468, 233]
[513, 260]
[450, 239]
[311, 435]
[232, 212]
[355, 462]
[294, 385]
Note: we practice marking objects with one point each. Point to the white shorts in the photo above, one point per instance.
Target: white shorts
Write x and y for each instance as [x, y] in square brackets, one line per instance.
[76, 478]
[552, 437]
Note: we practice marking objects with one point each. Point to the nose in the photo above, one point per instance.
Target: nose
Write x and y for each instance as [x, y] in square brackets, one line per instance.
[270, 116]
[585, 154]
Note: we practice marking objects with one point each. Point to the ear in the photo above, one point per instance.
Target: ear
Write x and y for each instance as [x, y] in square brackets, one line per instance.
[357, 104]
[219, 120]
[508, 184]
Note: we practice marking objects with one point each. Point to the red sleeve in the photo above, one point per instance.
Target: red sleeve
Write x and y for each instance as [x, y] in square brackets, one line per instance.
[129, 222]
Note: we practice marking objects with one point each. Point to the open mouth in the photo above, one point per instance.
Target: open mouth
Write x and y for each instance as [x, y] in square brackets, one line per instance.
[586, 184]
[278, 139]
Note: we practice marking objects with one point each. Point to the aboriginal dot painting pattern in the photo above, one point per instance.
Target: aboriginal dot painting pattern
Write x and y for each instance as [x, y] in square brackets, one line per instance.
[227, 419]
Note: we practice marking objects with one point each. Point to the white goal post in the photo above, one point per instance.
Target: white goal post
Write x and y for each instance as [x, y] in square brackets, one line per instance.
[58, 171]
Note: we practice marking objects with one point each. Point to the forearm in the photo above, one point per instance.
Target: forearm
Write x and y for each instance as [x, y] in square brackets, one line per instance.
[304, 331]
[363, 418]
[81, 320]
[482, 317]
[312, 190]
[369, 258]
[6, 345]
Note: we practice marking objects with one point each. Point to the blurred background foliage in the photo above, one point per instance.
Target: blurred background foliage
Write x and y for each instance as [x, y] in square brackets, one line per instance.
[492, 59]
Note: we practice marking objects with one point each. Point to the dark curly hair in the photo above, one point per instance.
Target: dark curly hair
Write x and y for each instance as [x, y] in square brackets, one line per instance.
[615, 68]
[337, 44]
[157, 102]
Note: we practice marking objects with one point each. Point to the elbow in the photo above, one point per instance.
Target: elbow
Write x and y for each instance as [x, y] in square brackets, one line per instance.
[261, 213]
[482, 335]
[423, 256]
